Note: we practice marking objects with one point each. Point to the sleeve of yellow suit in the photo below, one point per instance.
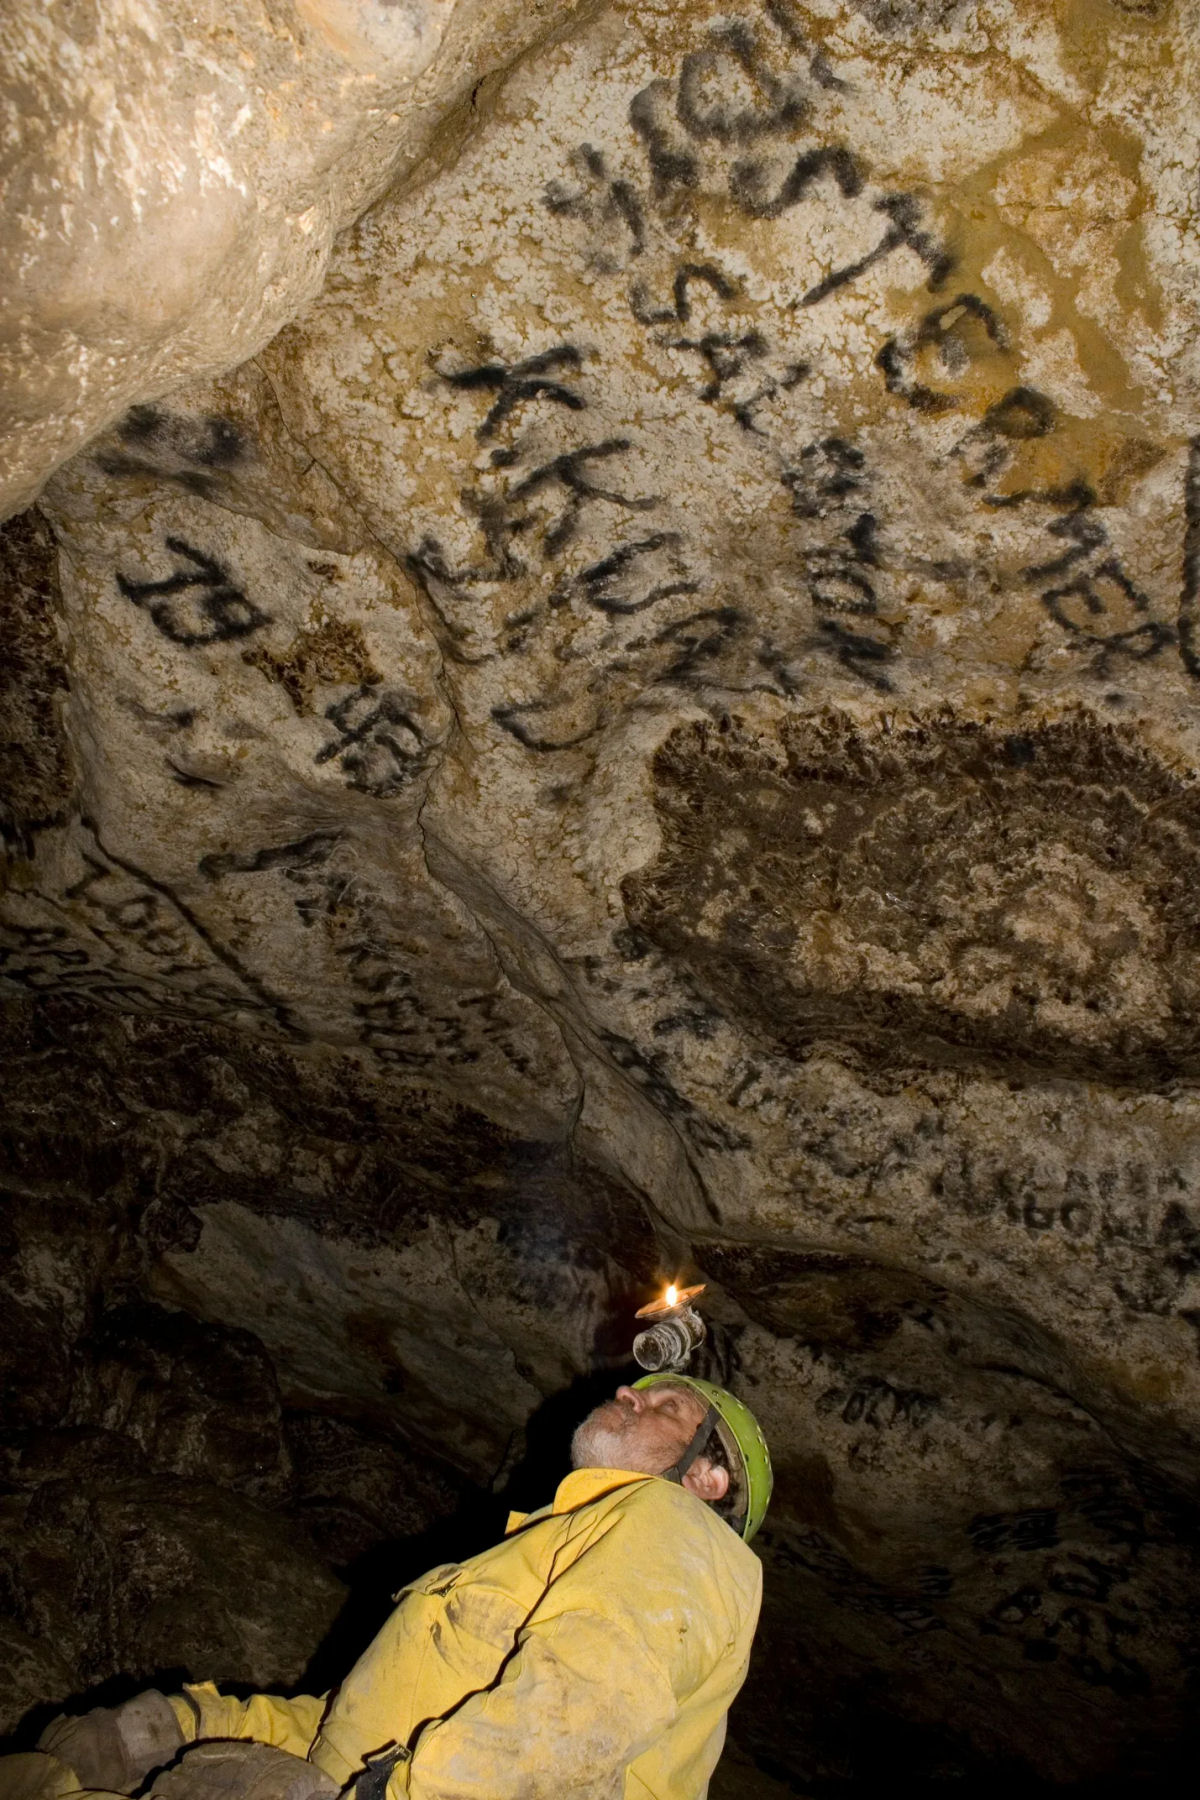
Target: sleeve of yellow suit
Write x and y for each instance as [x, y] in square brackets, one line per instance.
[290, 1725]
[36, 1775]
[595, 1678]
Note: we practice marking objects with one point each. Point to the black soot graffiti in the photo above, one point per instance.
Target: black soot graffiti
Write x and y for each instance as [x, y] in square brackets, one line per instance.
[198, 603]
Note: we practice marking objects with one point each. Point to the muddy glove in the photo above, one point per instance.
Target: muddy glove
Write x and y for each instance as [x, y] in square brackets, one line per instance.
[225, 1771]
[116, 1747]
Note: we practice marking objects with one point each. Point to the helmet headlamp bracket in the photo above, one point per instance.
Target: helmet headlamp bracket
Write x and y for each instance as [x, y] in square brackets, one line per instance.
[674, 1332]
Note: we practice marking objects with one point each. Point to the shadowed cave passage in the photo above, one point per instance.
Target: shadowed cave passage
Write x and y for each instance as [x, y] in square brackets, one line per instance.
[971, 1572]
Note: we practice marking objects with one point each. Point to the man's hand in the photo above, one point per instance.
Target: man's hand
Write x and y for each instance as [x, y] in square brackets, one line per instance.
[114, 1748]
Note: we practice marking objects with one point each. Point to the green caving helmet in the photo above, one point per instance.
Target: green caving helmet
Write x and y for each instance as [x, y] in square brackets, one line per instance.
[743, 1429]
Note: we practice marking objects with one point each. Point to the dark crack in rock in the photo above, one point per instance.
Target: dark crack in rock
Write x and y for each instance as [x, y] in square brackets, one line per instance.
[36, 770]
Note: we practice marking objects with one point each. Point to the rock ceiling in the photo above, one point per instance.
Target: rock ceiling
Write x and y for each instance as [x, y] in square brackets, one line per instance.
[653, 727]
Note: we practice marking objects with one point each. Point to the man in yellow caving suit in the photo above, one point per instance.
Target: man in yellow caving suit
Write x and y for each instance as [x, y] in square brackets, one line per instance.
[591, 1655]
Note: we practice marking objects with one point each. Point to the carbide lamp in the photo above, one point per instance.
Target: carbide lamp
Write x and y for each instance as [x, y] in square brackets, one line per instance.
[674, 1330]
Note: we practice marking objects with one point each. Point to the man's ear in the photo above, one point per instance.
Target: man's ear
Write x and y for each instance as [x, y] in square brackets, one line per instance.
[708, 1481]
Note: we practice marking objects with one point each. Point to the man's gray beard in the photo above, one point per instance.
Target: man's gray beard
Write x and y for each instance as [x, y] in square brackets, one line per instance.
[597, 1445]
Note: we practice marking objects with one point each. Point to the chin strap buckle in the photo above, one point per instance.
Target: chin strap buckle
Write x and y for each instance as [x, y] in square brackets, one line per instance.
[377, 1770]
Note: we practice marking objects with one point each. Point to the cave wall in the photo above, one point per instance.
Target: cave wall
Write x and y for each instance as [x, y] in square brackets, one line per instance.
[651, 730]
[174, 179]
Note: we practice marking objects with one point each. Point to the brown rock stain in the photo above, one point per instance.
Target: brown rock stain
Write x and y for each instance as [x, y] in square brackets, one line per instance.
[1022, 205]
[958, 892]
[333, 653]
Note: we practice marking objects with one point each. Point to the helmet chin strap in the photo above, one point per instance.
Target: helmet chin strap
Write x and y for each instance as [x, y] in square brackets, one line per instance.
[696, 1448]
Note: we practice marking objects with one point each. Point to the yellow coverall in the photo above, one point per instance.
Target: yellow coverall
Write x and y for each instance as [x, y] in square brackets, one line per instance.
[593, 1653]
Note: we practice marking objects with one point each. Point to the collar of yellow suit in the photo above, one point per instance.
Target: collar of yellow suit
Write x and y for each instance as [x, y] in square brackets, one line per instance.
[580, 1486]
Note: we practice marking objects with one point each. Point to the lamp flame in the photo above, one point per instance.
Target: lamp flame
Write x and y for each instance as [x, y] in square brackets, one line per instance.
[672, 1298]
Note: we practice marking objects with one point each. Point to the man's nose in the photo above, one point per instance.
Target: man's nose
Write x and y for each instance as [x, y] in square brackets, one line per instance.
[630, 1397]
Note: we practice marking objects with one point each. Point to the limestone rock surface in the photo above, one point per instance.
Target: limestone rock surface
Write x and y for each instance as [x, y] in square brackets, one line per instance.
[174, 179]
[652, 732]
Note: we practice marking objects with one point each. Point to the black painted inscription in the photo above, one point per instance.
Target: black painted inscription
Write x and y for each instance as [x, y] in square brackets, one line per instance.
[841, 568]
[198, 603]
[1080, 580]
[130, 942]
[725, 124]
[617, 583]
[709, 78]
[948, 339]
[529, 512]
[195, 453]
[878, 1403]
[379, 743]
[609, 205]
[517, 384]
[1033, 1530]
[304, 853]
[546, 724]
[648, 1071]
